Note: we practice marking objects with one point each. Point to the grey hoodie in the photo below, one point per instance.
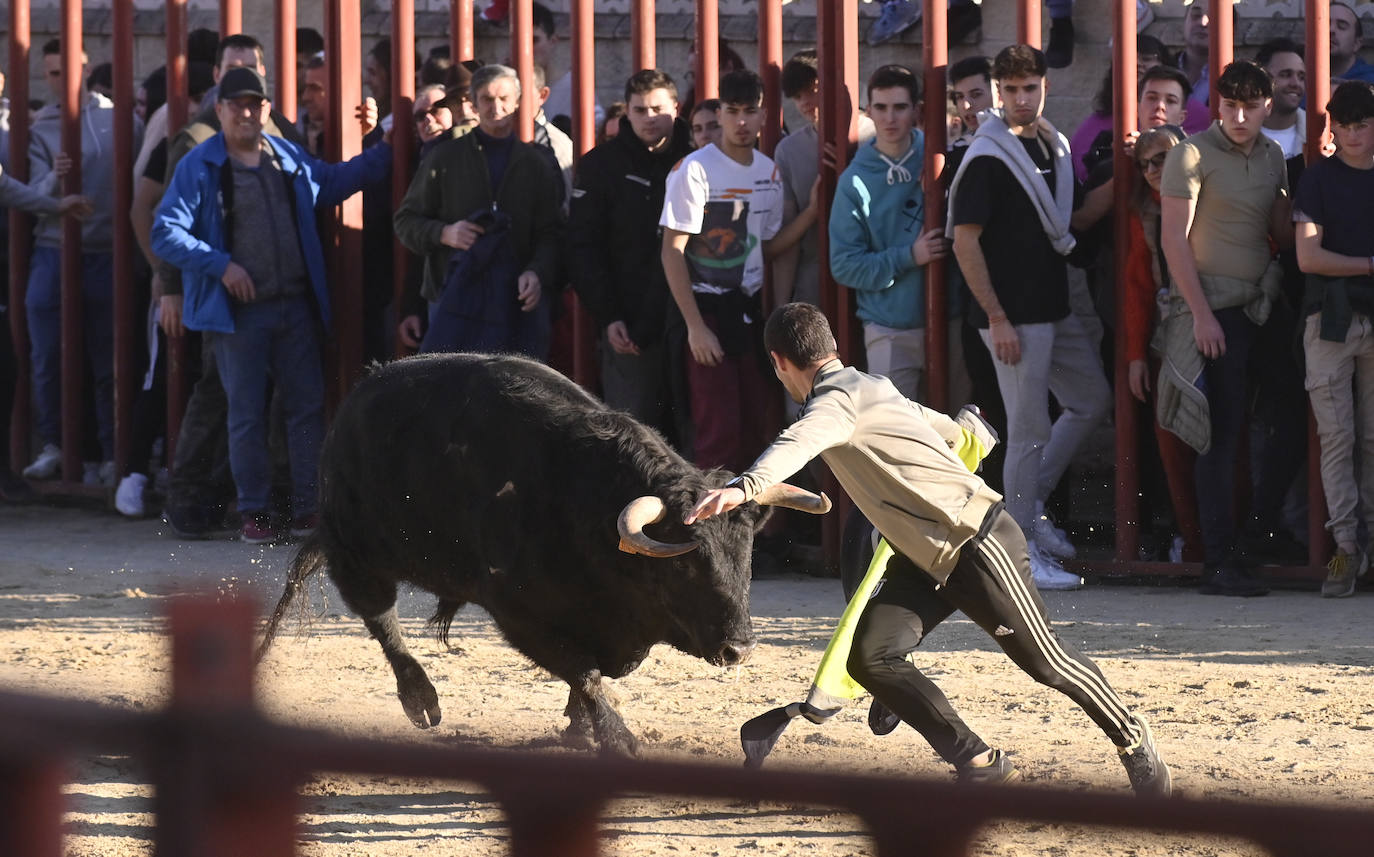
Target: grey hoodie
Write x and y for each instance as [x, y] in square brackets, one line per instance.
[97, 170]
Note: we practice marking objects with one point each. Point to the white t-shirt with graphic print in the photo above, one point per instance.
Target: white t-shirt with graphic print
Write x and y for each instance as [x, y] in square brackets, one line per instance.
[729, 210]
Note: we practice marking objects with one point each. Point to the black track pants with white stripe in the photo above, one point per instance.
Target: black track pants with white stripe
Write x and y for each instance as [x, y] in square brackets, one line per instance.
[991, 584]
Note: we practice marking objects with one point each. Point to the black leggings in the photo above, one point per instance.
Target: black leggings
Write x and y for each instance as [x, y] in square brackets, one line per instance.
[991, 584]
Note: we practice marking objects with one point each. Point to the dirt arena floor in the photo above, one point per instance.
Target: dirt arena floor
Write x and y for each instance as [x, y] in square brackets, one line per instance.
[1269, 699]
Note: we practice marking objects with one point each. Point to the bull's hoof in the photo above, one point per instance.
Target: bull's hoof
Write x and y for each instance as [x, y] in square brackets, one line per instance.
[620, 745]
[418, 697]
[578, 736]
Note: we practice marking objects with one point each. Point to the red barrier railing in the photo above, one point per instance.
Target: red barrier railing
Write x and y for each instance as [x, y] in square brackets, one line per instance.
[226, 778]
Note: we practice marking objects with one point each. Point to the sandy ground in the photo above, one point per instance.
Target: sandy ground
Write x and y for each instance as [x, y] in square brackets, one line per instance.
[1266, 698]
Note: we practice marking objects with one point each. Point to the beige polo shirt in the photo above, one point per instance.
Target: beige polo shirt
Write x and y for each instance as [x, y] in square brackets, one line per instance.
[1235, 194]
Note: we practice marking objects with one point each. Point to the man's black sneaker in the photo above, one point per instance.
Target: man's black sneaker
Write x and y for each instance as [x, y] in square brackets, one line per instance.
[881, 720]
[1149, 775]
[998, 771]
[1059, 54]
[1229, 579]
[189, 522]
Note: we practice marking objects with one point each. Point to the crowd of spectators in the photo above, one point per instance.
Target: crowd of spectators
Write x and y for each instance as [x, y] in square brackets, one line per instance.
[1235, 318]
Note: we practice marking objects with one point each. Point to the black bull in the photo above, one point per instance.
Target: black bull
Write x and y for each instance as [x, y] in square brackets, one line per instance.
[493, 480]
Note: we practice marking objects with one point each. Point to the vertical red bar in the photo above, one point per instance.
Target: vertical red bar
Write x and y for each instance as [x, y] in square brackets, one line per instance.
[126, 324]
[770, 67]
[584, 138]
[584, 76]
[837, 44]
[935, 36]
[403, 146]
[21, 236]
[1318, 23]
[1221, 32]
[73, 399]
[177, 114]
[343, 23]
[31, 793]
[212, 675]
[286, 57]
[643, 35]
[707, 69]
[1123, 173]
[522, 54]
[460, 28]
[230, 17]
[1028, 23]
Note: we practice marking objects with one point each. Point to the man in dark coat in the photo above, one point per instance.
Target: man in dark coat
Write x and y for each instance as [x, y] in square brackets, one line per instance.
[614, 244]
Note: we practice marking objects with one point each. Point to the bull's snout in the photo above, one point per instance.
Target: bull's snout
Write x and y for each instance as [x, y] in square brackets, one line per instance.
[735, 652]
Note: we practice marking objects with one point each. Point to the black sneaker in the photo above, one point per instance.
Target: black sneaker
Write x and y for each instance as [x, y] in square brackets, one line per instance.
[1149, 775]
[996, 772]
[1059, 54]
[13, 489]
[1229, 579]
[881, 720]
[188, 522]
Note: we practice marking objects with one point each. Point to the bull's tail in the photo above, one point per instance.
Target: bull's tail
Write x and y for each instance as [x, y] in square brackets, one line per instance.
[307, 562]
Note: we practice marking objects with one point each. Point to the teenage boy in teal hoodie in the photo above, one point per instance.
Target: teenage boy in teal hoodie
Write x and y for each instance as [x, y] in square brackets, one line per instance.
[877, 246]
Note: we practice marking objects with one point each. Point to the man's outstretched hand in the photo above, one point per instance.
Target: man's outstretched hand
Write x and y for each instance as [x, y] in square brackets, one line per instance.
[716, 502]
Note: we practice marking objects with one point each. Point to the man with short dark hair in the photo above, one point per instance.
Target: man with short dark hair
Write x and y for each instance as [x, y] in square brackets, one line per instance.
[491, 191]
[1223, 195]
[1287, 121]
[796, 272]
[309, 45]
[879, 245]
[955, 548]
[1334, 213]
[1161, 97]
[1347, 38]
[722, 218]
[971, 92]
[239, 219]
[1010, 205]
[614, 245]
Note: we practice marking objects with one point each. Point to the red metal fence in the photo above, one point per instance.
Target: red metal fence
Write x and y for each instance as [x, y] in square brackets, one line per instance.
[838, 41]
[226, 778]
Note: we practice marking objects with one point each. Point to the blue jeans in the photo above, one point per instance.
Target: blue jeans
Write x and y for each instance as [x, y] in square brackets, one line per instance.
[1215, 471]
[43, 303]
[276, 340]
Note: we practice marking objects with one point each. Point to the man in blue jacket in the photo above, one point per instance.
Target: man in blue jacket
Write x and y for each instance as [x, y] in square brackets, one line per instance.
[239, 220]
[877, 246]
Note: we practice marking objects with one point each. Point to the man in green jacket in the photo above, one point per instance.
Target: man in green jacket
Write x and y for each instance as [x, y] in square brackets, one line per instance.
[488, 170]
[956, 548]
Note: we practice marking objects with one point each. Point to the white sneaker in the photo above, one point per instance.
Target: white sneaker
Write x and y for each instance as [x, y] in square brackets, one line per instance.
[46, 465]
[129, 495]
[1051, 539]
[1049, 574]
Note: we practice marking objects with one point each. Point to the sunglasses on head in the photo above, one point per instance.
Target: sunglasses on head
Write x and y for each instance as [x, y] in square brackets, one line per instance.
[1156, 161]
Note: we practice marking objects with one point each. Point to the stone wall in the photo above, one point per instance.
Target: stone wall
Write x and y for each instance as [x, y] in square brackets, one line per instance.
[1071, 89]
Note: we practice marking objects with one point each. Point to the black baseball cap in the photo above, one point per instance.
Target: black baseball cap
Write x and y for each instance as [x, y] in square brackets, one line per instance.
[241, 82]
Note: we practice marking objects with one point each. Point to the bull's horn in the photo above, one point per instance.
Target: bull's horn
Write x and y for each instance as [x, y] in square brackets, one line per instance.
[638, 514]
[792, 497]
